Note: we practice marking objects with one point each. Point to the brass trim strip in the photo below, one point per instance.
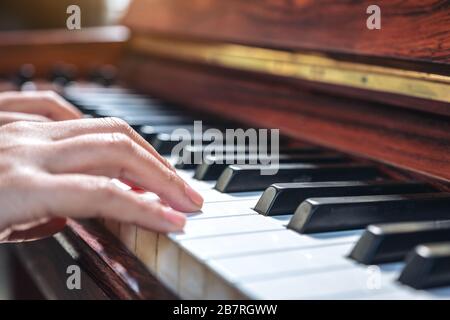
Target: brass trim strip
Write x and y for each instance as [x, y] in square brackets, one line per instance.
[310, 67]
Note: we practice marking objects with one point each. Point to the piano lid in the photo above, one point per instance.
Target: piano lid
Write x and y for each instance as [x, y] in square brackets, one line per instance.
[326, 45]
[311, 68]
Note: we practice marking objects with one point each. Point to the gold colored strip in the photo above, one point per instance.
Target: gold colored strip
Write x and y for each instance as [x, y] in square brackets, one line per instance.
[310, 67]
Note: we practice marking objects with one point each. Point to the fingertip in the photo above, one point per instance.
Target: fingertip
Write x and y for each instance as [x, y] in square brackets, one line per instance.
[176, 220]
[194, 196]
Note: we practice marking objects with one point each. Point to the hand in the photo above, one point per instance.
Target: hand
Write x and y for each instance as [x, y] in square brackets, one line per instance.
[35, 106]
[63, 169]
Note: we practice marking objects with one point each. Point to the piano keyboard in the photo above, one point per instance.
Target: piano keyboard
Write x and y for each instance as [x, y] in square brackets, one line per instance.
[323, 227]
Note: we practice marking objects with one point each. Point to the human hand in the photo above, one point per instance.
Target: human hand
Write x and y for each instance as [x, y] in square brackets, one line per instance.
[53, 170]
[35, 106]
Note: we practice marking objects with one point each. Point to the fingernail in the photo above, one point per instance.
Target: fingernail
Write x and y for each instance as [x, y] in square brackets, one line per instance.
[195, 197]
[175, 218]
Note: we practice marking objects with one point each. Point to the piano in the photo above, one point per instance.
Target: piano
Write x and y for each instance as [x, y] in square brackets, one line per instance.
[360, 205]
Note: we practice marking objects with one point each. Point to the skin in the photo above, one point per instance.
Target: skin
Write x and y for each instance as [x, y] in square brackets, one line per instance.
[50, 170]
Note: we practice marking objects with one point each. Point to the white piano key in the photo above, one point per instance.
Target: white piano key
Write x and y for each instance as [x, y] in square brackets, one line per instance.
[192, 277]
[198, 185]
[333, 284]
[168, 253]
[267, 241]
[127, 235]
[283, 220]
[216, 196]
[224, 209]
[274, 264]
[200, 228]
[146, 246]
[167, 262]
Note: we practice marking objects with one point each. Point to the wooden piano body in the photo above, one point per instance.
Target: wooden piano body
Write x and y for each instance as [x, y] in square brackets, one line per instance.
[311, 68]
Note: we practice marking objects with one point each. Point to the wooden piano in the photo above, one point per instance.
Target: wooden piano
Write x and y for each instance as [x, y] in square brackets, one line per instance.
[368, 110]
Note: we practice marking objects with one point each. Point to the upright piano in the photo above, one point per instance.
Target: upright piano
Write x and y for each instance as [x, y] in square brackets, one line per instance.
[360, 206]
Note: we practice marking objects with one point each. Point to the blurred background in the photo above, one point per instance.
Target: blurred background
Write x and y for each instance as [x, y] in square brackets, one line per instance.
[48, 14]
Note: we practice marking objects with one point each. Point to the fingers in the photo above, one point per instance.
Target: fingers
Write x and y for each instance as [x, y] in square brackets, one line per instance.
[81, 196]
[117, 156]
[44, 103]
[68, 129]
[9, 117]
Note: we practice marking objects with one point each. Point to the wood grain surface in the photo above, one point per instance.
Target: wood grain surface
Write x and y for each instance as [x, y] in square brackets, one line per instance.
[416, 30]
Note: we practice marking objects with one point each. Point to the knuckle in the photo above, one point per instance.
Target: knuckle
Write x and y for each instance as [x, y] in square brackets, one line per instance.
[50, 97]
[117, 124]
[172, 177]
[106, 188]
[157, 211]
[120, 140]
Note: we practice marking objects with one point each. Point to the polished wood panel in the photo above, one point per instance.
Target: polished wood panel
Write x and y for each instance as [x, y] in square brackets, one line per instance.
[416, 30]
[46, 263]
[85, 49]
[109, 270]
[406, 139]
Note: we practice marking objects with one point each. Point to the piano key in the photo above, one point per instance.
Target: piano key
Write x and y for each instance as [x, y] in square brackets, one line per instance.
[211, 195]
[127, 235]
[329, 284]
[75, 89]
[221, 209]
[275, 264]
[237, 178]
[137, 122]
[344, 213]
[427, 266]
[150, 132]
[220, 246]
[213, 166]
[110, 98]
[92, 108]
[196, 184]
[168, 252]
[146, 247]
[391, 242]
[283, 198]
[199, 228]
[190, 154]
[164, 143]
[195, 254]
[140, 112]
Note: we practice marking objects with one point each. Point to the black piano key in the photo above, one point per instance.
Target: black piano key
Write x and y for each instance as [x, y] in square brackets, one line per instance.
[137, 121]
[345, 213]
[427, 266]
[164, 143]
[110, 98]
[150, 132]
[391, 242]
[239, 178]
[94, 108]
[190, 153]
[284, 198]
[192, 156]
[213, 167]
[133, 112]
